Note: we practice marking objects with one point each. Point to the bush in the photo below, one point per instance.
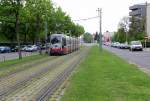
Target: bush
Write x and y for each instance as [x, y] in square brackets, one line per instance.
[147, 43]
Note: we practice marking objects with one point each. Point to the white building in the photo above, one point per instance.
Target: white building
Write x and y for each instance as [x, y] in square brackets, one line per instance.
[148, 19]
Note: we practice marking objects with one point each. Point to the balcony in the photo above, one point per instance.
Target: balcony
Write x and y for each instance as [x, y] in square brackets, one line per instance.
[135, 13]
[136, 7]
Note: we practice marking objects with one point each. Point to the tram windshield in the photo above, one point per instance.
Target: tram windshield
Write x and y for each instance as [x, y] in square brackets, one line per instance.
[55, 40]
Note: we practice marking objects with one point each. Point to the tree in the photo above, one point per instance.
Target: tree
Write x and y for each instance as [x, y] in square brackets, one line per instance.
[124, 25]
[122, 33]
[119, 36]
[77, 30]
[33, 19]
[10, 9]
[137, 28]
[87, 37]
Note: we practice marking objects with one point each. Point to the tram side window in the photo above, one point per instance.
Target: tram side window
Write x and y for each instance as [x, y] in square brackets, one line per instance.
[63, 41]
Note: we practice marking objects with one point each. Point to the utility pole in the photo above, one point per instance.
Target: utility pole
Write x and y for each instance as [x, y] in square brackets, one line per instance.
[100, 28]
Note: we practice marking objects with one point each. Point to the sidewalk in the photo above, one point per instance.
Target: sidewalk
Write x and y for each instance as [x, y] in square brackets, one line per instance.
[146, 49]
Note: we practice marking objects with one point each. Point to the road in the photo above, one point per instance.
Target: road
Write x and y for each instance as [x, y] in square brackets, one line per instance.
[140, 58]
[14, 55]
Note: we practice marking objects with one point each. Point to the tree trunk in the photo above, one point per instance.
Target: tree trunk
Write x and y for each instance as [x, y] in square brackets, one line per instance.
[17, 33]
[25, 36]
[38, 33]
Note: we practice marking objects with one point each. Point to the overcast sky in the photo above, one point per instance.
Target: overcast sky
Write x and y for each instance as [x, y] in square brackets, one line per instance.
[112, 12]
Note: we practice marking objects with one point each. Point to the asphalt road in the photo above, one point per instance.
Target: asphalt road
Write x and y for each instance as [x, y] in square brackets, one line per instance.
[140, 58]
[14, 55]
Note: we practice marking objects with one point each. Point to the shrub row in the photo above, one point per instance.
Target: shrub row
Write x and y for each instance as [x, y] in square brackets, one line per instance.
[147, 43]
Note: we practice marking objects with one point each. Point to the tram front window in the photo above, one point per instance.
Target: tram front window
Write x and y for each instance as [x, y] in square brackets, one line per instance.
[55, 40]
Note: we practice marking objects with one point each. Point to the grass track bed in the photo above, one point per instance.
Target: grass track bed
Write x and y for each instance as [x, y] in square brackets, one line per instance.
[31, 89]
[105, 77]
[14, 66]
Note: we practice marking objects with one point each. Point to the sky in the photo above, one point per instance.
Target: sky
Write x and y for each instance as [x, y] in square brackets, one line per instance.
[112, 12]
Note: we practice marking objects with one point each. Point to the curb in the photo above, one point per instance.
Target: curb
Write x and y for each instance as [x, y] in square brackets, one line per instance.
[147, 49]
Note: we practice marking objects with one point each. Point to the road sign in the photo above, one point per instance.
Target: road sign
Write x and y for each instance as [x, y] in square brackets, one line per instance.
[146, 37]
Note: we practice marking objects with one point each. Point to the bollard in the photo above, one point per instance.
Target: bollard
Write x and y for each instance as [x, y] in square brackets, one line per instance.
[4, 58]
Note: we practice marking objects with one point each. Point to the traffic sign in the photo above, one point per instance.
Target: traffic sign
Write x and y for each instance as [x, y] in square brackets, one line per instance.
[146, 37]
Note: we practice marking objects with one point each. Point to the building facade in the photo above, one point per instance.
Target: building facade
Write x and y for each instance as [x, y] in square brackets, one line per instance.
[138, 10]
[138, 15]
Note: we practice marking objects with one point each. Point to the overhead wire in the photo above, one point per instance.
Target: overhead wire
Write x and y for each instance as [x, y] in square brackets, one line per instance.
[87, 18]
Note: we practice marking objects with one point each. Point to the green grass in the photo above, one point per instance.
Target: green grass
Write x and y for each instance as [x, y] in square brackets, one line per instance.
[9, 63]
[12, 66]
[106, 77]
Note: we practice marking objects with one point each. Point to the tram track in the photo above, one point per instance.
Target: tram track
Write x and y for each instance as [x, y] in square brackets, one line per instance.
[15, 68]
[15, 81]
[35, 88]
[56, 83]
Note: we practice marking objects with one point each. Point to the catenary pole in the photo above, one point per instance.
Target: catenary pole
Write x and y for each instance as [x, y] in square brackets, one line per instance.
[100, 28]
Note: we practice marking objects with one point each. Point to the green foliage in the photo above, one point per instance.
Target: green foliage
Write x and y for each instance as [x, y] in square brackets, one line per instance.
[119, 36]
[32, 16]
[3, 38]
[137, 29]
[88, 37]
[147, 43]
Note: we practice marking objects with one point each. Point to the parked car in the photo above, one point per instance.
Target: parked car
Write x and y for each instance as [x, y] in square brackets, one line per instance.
[5, 49]
[23, 47]
[116, 44]
[135, 45]
[112, 44]
[43, 47]
[124, 46]
[14, 48]
[107, 43]
[31, 48]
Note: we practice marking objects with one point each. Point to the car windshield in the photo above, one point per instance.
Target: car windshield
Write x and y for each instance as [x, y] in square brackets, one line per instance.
[2, 47]
[136, 43]
[55, 40]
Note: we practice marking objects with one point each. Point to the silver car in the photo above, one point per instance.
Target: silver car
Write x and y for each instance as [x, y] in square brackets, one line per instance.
[135, 45]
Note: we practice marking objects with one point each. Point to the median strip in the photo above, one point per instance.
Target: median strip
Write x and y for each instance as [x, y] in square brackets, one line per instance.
[106, 77]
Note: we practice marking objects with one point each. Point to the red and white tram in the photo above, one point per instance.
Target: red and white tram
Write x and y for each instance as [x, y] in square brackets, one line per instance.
[63, 44]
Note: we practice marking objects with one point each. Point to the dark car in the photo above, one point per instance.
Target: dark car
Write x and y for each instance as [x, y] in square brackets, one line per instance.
[5, 49]
[14, 48]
